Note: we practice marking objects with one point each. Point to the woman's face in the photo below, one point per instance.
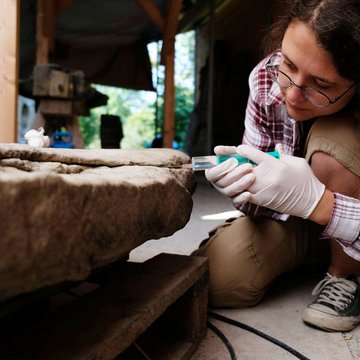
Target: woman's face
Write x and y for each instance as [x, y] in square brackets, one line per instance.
[307, 64]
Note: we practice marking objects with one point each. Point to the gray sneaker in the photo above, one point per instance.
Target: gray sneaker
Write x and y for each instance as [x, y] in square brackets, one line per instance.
[337, 306]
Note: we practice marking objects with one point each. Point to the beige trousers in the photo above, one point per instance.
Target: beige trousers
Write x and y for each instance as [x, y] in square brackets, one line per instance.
[247, 254]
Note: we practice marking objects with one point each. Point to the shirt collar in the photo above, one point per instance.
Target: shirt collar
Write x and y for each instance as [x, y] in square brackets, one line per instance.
[274, 96]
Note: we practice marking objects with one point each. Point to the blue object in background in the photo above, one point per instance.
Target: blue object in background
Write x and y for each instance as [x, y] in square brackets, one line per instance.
[63, 139]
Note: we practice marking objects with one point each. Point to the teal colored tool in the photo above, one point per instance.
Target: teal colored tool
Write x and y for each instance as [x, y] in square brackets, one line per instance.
[206, 162]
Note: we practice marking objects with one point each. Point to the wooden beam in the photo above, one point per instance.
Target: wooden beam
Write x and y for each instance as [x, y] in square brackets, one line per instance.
[42, 41]
[129, 304]
[9, 64]
[171, 26]
[168, 59]
[200, 13]
[154, 13]
[169, 99]
[47, 10]
[48, 28]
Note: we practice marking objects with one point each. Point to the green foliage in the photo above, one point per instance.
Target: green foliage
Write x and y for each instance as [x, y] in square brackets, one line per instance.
[131, 106]
[137, 108]
[90, 129]
[184, 99]
[139, 128]
[184, 106]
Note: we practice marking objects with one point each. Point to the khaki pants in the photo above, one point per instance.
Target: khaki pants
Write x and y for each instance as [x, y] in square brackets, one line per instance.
[246, 255]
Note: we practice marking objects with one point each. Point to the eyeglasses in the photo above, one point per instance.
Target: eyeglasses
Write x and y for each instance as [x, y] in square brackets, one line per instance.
[312, 95]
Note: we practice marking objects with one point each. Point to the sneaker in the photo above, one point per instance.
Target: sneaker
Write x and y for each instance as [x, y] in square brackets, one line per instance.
[337, 306]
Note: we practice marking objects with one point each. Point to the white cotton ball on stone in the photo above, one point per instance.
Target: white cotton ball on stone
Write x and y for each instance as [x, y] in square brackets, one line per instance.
[37, 138]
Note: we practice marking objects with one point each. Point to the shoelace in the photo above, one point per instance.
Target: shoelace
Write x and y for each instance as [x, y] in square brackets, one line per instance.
[335, 291]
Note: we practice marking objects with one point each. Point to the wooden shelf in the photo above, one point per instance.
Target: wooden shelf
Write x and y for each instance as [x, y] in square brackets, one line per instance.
[161, 304]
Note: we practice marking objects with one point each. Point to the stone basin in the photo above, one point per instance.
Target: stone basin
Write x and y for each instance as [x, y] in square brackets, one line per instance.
[66, 212]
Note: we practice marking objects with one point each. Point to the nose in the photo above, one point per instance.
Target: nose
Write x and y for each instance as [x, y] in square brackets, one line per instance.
[294, 93]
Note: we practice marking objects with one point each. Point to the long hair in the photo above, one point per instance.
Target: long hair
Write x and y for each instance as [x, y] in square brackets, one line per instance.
[336, 25]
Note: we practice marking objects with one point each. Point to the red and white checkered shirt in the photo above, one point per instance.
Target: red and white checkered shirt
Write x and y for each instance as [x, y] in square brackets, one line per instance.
[268, 123]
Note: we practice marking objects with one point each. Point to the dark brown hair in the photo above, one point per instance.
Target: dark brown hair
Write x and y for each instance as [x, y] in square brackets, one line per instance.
[336, 25]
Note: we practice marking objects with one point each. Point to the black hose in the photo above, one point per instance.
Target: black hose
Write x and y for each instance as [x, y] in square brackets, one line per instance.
[259, 333]
[223, 338]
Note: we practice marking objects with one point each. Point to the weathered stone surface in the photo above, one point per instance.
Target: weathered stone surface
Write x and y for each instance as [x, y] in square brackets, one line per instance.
[64, 212]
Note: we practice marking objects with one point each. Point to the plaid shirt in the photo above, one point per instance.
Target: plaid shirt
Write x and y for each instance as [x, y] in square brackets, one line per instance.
[268, 123]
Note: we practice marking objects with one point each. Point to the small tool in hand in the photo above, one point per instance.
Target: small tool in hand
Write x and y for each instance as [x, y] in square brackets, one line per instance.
[206, 162]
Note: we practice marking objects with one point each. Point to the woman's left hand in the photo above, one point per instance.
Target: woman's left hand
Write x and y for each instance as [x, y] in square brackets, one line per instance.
[286, 185]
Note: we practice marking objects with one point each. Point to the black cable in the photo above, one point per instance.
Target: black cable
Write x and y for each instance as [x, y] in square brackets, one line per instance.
[223, 338]
[259, 333]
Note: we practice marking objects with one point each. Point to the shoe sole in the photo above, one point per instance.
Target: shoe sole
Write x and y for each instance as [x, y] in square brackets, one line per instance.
[330, 322]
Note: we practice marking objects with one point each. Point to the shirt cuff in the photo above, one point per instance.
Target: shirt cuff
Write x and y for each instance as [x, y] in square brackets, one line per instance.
[344, 223]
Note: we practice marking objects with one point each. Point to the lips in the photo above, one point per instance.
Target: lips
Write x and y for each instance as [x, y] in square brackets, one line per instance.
[293, 106]
[298, 114]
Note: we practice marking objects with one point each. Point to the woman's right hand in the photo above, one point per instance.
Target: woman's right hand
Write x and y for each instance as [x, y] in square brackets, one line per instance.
[230, 178]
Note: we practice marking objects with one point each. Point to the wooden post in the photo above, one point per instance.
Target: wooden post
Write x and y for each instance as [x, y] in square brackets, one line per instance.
[169, 98]
[9, 60]
[168, 59]
[47, 10]
[42, 41]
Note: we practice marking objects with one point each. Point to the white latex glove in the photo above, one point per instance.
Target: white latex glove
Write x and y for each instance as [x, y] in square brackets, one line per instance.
[228, 177]
[287, 185]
